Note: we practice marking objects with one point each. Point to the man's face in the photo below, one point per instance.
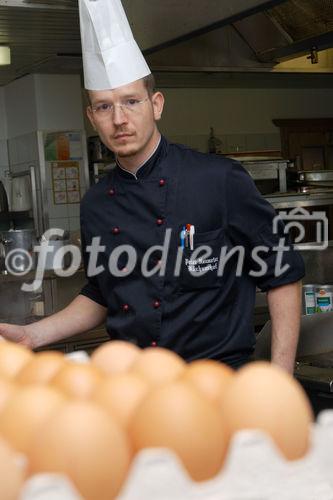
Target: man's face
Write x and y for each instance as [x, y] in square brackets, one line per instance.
[129, 127]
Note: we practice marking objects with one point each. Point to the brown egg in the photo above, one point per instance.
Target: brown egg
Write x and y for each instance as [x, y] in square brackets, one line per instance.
[41, 368]
[7, 388]
[158, 366]
[263, 396]
[12, 358]
[115, 357]
[209, 377]
[77, 380]
[178, 417]
[11, 474]
[83, 442]
[120, 396]
[23, 415]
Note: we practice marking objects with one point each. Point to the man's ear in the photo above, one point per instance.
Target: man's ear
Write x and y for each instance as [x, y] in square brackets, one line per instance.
[158, 105]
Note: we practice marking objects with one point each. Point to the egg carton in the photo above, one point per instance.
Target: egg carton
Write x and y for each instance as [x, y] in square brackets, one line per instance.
[254, 470]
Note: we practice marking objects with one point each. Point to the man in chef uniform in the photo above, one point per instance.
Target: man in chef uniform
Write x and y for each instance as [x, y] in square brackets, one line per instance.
[158, 191]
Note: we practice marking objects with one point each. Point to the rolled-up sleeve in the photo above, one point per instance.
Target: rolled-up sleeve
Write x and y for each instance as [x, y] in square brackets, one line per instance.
[250, 224]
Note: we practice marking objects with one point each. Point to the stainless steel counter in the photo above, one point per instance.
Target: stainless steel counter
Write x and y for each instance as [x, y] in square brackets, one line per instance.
[29, 277]
[17, 306]
[282, 201]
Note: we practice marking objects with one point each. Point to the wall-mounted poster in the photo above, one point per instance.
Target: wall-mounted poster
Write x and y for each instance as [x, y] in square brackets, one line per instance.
[63, 146]
[66, 182]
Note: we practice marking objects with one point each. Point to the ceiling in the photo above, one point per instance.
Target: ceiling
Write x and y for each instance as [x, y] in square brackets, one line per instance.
[191, 35]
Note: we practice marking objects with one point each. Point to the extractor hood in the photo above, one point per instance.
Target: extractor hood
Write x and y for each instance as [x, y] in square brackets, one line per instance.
[291, 29]
[206, 36]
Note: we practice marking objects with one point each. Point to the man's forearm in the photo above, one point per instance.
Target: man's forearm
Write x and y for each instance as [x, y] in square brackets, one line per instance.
[81, 315]
[285, 310]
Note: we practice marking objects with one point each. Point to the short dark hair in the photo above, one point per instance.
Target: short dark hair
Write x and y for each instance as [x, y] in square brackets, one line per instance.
[150, 84]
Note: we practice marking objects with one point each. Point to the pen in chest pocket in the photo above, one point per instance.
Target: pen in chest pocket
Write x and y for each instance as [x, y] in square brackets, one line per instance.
[183, 237]
[192, 232]
[187, 236]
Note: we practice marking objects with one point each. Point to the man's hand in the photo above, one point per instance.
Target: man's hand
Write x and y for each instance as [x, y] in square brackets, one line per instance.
[16, 333]
[81, 315]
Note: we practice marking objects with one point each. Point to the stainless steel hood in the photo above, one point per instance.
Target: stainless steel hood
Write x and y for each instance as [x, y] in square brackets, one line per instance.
[298, 25]
[214, 35]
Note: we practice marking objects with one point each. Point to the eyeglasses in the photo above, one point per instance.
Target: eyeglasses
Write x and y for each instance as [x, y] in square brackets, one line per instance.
[105, 110]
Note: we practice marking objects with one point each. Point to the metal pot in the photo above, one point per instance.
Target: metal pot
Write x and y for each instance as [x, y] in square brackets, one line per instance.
[53, 263]
[17, 245]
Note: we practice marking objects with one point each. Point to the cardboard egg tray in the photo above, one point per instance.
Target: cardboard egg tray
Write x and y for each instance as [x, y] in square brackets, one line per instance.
[254, 470]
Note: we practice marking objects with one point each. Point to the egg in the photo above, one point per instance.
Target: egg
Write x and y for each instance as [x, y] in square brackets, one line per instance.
[115, 357]
[178, 417]
[120, 395]
[83, 442]
[12, 358]
[77, 380]
[41, 368]
[158, 366]
[11, 473]
[7, 388]
[263, 396]
[25, 412]
[210, 377]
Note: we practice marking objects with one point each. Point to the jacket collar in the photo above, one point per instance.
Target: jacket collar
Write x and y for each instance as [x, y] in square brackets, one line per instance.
[147, 167]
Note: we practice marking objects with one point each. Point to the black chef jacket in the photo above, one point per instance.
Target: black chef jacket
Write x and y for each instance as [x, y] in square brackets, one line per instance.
[209, 316]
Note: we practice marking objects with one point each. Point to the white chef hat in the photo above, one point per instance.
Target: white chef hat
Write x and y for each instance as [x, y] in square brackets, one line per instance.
[111, 57]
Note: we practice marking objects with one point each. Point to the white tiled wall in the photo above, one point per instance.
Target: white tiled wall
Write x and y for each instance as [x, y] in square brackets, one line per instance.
[66, 223]
[4, 165]
[3, 118]
[59, 222]
[58, 102]
[241, 117]
[20, 104]
[3, 153]
[40, 102]
[67, 216]
[74, 223]
[22, 149]
[23, 152]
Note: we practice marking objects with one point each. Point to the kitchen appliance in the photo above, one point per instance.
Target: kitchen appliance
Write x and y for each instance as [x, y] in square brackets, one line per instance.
[314, 359]
[21, 193]
[12, 243]
[48, 186]
[269, 175]
[101, 159]
[309, 181]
